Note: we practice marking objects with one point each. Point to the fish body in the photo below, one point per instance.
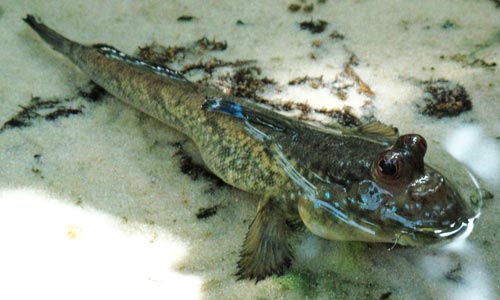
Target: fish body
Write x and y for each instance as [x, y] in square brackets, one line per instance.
[365, 184]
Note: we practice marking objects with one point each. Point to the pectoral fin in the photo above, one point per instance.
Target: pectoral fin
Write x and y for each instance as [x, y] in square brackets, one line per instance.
[266, 250]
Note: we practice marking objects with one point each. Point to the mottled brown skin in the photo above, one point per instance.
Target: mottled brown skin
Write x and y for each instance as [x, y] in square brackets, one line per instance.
[178, 105]
[316, 148]
[225, 147]
[343, 184]
[346, 166]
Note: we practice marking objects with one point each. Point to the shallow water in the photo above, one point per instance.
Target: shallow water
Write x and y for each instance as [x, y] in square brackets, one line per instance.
[94, 204]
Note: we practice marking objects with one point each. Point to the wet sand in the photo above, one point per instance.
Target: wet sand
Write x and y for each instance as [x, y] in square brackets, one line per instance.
[93, 204]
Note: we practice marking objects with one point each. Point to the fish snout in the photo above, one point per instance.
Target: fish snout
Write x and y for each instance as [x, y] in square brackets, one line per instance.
[442, 211]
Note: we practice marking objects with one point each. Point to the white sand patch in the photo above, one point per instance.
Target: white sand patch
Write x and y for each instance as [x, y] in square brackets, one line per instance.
[459, 263]
[54, 250]
[471, 146]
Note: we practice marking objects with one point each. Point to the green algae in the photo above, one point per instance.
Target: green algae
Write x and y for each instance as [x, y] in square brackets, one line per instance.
[350, 258]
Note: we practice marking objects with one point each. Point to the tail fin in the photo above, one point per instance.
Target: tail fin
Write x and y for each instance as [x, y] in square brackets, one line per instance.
[57, 41]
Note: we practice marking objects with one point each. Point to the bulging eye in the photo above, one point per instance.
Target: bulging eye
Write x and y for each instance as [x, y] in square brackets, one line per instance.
[421, 144]
[389, 166]
[413, 142]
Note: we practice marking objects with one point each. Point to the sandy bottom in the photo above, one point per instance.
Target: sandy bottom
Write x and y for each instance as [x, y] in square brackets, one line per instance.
[94, 205]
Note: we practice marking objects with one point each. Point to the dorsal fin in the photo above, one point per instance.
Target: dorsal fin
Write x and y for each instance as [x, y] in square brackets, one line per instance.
[378, 131]
[112, 52]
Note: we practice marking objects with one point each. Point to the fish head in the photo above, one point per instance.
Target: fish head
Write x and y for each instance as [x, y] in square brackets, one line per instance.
[422, 202]
[402, 200]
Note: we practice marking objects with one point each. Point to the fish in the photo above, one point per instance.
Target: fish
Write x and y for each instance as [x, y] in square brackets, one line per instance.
[367, 183]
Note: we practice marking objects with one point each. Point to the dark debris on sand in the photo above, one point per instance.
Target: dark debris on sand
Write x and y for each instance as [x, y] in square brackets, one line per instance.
[314, 26]
[185, 18]
[49, 109]
[159, 54]
[92, 92]
[194, 170]
[207, 212]
[243, 78]
[443, 98]
[54, 108]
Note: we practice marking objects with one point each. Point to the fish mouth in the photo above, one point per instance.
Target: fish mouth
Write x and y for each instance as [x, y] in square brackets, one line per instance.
[428, 235]
[467, 197]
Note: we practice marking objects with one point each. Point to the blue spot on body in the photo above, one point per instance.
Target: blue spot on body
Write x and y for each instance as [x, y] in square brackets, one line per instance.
[237, 110]
[292, 196]
[394, 208]
[317, 205]
[427, 214]
[352, 199]
[417, 205]
[407, 206]
[327, 195]
[344, 201]
[229, 107]
[239, 115]
[336, 204]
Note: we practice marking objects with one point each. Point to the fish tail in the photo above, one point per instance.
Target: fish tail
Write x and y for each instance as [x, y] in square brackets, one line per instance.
[224, 106]
[56, 40]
